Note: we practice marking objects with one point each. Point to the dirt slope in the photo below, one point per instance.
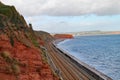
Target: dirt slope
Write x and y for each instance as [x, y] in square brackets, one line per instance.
[20, 55]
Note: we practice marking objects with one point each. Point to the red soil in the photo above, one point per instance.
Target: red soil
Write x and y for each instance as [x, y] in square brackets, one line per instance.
[115, 32]
[63, 36]
[32, 65]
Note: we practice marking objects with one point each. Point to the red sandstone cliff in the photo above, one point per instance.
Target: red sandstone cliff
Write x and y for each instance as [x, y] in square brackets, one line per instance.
[63, 36]
[20, 55]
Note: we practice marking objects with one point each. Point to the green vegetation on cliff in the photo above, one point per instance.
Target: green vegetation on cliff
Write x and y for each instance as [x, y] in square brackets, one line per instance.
[11, 15]
[13, 24]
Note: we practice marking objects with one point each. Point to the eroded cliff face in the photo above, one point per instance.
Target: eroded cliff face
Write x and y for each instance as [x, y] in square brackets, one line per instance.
[20, 55]
[63, 36]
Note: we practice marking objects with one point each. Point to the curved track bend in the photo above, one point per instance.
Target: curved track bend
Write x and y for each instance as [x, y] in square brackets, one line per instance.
[68, 69]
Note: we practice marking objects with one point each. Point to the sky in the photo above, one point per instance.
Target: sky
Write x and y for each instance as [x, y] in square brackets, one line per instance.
[56, 16]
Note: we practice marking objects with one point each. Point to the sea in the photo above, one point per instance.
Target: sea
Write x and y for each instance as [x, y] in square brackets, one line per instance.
[101, 52]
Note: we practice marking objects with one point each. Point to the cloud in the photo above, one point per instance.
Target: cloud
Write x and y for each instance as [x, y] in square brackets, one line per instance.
[66, 7]
[56, 24]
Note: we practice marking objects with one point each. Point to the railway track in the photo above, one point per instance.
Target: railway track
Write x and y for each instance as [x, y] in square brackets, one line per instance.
[67, 68]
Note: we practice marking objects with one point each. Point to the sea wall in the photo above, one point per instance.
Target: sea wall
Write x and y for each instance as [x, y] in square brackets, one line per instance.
[85, 67]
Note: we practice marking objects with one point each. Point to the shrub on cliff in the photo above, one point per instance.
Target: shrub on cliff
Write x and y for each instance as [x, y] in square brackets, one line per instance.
[7, 57]
[11, 41]
[12, 63]
[16, 69]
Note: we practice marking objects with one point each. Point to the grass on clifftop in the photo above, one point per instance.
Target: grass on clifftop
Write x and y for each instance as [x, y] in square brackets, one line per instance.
[5, 10]
[16, 26]
[11, 14]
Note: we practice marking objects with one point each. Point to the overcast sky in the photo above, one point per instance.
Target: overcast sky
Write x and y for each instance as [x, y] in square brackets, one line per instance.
[70, 15]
